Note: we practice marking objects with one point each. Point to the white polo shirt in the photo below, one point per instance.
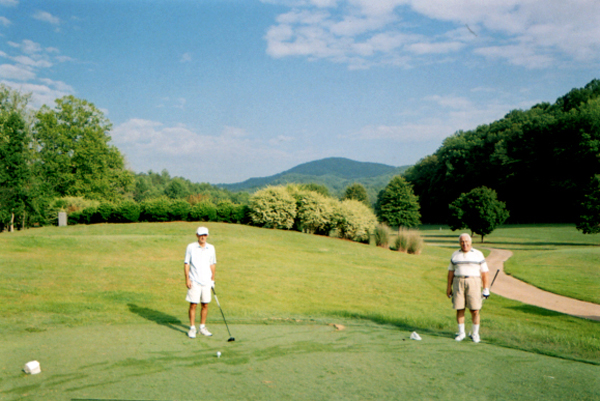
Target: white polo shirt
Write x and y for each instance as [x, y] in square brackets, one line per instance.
[470, 263]
[200, 259]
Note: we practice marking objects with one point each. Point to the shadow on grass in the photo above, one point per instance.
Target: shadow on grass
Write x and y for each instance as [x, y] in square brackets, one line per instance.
[535, 310]
[428, 327]
[158, 317]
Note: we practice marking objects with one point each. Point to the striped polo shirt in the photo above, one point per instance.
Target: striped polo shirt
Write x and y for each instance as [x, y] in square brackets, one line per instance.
[470, 263]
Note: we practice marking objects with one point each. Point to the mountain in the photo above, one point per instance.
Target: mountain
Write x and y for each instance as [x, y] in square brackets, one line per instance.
[336, 173]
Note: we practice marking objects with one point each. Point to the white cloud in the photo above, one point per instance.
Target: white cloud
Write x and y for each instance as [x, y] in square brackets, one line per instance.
[403, 133]
[517, 55]
[58, 85]
[5, 21]
[527, 33]
[150, 145]
[46, 17]
[445, 116]
[9, 71]
[28, 61]
[435, 48]
[9, 3]
[27, 46]
[42, 94]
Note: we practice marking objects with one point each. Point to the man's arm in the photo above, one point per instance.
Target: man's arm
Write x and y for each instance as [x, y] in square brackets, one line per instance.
[485, 279]
[186, 272]
[449, 287]
[213, 269]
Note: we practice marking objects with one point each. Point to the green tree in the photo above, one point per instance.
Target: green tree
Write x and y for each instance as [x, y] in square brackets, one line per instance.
[16, 189]
[177, 189]
[479, 211]
[357, 192]
[75, 157]
[589, 219]
[397, 205]
[318, 188]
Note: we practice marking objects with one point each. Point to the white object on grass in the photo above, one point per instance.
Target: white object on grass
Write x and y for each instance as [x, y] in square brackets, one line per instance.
[415, 336]
[219, 354]
[32, 368]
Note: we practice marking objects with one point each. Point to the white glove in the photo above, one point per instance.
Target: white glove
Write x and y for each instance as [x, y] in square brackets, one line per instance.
[486, 293]
[212, 284]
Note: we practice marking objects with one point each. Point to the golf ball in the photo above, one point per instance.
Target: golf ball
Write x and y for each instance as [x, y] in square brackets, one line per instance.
[218, 354]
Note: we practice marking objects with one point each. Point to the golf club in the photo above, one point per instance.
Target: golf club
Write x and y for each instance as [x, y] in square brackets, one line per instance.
[495, 275]
[221, 309]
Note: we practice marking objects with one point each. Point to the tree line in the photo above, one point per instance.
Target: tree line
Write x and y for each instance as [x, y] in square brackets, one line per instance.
[60, 158]
[535, 166]
[542, 162]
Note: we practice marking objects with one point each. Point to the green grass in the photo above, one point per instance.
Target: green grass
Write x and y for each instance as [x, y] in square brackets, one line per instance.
[102, 307]
[304, 360]
[556, 258]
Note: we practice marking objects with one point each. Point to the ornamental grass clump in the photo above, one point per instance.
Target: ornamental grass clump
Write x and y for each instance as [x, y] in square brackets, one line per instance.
[382, 235]
[409, 241]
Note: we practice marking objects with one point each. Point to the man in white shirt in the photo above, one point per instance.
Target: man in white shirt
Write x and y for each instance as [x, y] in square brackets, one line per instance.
[199, 267]
[466, 273]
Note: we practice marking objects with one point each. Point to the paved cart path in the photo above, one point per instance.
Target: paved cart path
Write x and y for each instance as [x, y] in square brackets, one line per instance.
[509, 287]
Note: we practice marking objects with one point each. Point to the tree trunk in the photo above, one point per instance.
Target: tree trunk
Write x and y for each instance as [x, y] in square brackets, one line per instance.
[11, 226]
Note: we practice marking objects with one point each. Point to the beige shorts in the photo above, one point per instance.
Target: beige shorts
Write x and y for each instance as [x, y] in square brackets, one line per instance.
[466, 292]
[198, 294]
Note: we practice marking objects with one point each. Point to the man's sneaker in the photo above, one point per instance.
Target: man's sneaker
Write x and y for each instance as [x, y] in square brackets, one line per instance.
[204, 331]
[192, 332]
[475, 337]
[460, 337]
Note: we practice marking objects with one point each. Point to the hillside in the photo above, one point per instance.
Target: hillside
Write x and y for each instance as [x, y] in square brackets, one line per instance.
[336, 173]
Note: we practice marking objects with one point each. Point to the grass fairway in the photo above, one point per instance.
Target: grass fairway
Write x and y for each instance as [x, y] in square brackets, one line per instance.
[102, 308]
[285, 361]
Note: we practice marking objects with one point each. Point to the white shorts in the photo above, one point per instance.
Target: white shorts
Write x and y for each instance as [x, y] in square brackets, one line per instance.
[198, 294]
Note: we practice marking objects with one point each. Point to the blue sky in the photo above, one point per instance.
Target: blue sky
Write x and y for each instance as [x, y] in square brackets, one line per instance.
[222, 91]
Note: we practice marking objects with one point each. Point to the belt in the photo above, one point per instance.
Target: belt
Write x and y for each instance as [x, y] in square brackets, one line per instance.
[467, 276]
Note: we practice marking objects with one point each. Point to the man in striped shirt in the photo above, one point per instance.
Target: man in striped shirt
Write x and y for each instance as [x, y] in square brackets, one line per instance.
[466, 274]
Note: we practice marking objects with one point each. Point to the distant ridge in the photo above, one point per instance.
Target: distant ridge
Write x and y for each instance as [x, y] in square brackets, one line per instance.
[336, 173]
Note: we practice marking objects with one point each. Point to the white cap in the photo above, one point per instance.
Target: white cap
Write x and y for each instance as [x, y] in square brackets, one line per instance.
[202, 231]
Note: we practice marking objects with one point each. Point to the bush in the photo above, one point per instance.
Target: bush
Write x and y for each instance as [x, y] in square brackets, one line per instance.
[204, 210]
[70, 204]
[382, 235]
[241, 214]
[355, 221]
[316, 213]
[225, 212]
[180, 210]
[156, 209]
[127, 211]
[86, 216]
[409, 241]
[273, 207]
[104, 213]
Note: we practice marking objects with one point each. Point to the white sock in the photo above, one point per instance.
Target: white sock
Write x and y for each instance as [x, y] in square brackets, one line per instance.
[202, 326]
[476, 329]
[461, 328]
